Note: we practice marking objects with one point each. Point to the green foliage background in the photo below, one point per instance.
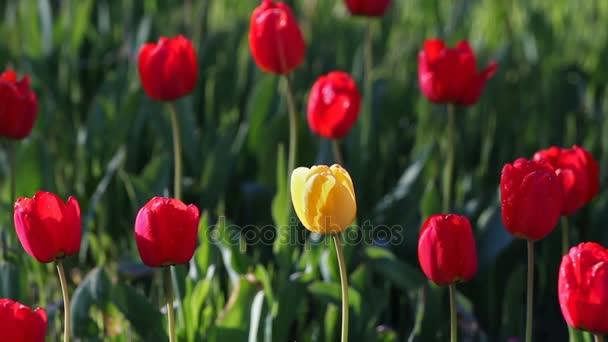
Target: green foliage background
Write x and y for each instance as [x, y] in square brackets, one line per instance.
[99, 138]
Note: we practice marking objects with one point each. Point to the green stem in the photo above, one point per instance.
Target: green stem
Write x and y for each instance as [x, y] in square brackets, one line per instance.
[453, 314]
[169, 293]
[66, 300]
[177, 153]
[344, 283]
[449, 165]
[293, 127]
[368, 83]
[13, 167]
[530, 291]
[565, 235]
[598, 338]
[335, 144]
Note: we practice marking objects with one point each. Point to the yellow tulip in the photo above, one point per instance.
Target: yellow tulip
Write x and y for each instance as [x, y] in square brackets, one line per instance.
[324, 198]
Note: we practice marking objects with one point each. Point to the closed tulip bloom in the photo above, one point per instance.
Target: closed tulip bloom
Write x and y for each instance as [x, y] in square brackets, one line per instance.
[583, 287]
[323, 198]
[333, 105]
[578, 172]
[168, 69]
[275, 39]
[449, 75]
[446, 249]
[531, 197]
[47, 227]
[18, 323]
[368, 8]
[165, 232]
[18, 106]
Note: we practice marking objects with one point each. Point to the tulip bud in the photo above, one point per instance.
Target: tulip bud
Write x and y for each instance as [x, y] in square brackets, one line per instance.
[18, 106]
[47, 227]
[168, 70]
[323, 198]
[275, 38]
[531, 198]
[166, 231]
[333, 105]
[446, 249]
[18, 323]
[583, 287]
[449, 75]
[369, 8]
[578, 172]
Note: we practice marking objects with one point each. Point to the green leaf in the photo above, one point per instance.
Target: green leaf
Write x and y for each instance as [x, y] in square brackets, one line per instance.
[145, 318]
[401, 274]
[95, 289]
[234, 322]
[10, 285]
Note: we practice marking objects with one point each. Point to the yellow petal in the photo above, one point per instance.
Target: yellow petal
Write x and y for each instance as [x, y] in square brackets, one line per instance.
[298, 180]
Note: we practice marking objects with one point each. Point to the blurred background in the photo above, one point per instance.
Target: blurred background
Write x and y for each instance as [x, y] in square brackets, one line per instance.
[99, 138]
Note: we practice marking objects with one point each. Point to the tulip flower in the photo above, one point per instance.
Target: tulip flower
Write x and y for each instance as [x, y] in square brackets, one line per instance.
[168, 69]
[446, 249]
[333, 105]
[368, 8]
[165, 233]
[275, 39]
[324, 200]
[532, 199]
[583, 287]
[449, 75]
[50, 230]
[447, 255]
[18, 323]
[18, 106]
[578, 172]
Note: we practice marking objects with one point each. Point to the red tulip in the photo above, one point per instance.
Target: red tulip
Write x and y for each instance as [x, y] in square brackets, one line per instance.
[169, 69]
[531, 197]
[369, 8]
[333, 105]
[583, 287]
[275, 38]
[18, 106]
[578, 172]
[449, 75]
[18, 323]
[166, 231]
[446, 249]
[48, 228]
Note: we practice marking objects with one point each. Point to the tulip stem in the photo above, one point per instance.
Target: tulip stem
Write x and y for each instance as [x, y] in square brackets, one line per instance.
[449, 163]
[344, 283]
[565, 235]
[598, 338]
[13, 170]
[335, 144]
[368, 83]
[66, 299]
[293, 127]
[177, 153]
[453, 314]
[530, 291]
[169, 293]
